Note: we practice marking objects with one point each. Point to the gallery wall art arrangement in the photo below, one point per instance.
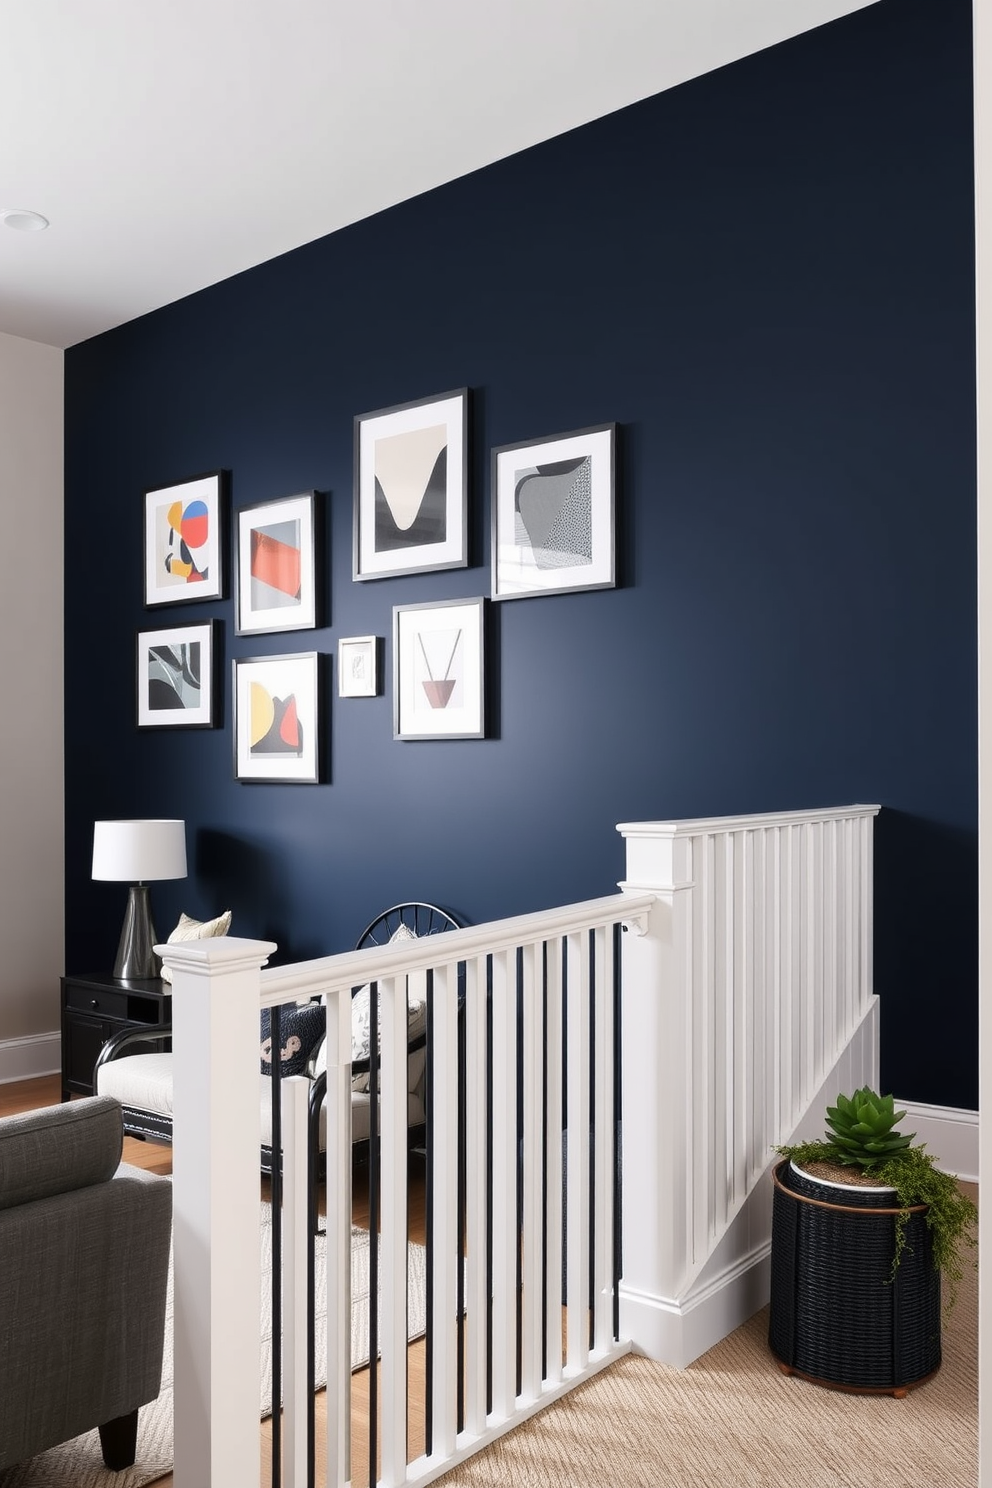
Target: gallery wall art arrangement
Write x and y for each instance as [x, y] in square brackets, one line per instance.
[553, 529]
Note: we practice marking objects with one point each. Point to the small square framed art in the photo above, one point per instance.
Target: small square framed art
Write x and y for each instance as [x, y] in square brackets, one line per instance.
[357, 670]
[411, 487]
[438, 670]
[183, 555]
[277, 718]
[275, 568]
[553, 514]
[177, 676]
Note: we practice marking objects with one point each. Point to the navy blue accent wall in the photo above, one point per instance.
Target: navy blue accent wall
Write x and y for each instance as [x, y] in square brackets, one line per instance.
[766, 278]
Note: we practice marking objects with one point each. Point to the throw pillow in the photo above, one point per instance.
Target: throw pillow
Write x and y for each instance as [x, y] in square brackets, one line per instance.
[300, 1031]
[361, 1038]
[416, 1012]
[190, 929]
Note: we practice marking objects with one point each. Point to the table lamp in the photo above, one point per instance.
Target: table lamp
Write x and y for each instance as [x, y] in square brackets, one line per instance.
[136, 853]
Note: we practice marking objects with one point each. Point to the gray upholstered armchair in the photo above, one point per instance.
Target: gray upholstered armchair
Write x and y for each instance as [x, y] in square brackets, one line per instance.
[84, 1258]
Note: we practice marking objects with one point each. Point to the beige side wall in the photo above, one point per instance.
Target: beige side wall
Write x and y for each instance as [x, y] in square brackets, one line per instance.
[31, 735]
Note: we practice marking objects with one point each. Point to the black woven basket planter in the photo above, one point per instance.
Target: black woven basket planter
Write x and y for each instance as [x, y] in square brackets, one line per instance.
[837, 1316]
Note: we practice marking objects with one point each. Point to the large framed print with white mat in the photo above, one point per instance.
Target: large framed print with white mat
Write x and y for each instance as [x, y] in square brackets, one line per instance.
[177, 672]
[276, 573]
[438, 670]
[183, 554]
[553, 514]
[277, 704]
[411, 487]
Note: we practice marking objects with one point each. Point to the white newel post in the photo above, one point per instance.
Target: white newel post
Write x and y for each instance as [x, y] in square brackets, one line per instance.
[217, 1137]
[653, 1066]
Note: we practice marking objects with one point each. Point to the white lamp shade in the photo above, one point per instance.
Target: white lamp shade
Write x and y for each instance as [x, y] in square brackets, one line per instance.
[139, 851]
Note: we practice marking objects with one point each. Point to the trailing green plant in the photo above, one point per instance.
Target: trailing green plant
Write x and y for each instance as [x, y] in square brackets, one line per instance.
[862, 1134]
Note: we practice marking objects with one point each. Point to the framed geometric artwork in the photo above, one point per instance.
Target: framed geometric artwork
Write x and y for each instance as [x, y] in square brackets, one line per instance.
[438, 670]
[177, 676]
[275, 567]
[183, 558]
[277, 718]
[357, 672]
[411, 487]
[553, 514]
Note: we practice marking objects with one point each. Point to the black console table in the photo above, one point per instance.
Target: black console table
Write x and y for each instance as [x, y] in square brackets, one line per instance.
[94, 1008]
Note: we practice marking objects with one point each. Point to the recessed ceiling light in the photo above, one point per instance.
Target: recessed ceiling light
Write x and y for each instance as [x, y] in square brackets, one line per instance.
[22, 220]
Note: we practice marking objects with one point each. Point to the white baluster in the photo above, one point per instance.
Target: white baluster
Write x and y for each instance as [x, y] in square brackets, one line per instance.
[295, 1219]
[393, 1255]
[338, 1234]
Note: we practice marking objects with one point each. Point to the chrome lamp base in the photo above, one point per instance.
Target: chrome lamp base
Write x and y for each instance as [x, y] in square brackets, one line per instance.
[136, 960]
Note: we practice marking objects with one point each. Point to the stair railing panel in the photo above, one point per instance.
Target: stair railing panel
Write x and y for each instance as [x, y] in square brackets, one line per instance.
[760, 946]
[750, 967]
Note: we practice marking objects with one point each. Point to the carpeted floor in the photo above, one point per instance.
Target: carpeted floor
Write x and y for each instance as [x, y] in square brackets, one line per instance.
[732, 1420]
[79, 1464]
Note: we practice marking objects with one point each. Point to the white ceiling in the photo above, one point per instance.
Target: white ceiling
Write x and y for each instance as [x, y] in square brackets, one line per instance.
[172, 143]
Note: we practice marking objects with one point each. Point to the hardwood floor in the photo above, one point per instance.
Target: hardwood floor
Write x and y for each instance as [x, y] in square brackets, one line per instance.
[29, 1095]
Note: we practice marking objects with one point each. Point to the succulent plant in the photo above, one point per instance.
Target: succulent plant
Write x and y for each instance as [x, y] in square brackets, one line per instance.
[862, 1134]
[862, 1129]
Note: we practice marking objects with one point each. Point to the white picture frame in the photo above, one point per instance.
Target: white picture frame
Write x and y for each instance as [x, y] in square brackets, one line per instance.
[357, 668]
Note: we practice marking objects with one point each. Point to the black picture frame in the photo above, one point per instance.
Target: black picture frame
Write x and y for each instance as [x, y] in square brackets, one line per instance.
[278, 718]
[554, 514]
[277, 578]
[439, 684]
[411, 487]
[184, 540]
[177, 676]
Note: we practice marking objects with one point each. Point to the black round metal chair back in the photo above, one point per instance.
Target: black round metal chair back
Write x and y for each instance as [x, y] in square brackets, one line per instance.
[419, 919]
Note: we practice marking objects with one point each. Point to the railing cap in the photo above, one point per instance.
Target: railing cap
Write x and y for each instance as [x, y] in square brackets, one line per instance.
[219, 953]
[698, 825]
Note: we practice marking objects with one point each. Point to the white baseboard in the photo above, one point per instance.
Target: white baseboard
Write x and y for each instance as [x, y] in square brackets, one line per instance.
[679, 1331]
[26, 1058]
[950, 1133]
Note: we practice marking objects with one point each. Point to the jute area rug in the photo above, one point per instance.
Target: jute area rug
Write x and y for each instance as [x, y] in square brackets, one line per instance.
[733, 1420]
[79, 1464]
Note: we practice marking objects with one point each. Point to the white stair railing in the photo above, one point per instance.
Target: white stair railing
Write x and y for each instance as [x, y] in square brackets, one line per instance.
[539, 1001]
[746, 985]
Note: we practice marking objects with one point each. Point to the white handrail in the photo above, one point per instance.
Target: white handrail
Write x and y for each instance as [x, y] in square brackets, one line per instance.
[349, 969]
